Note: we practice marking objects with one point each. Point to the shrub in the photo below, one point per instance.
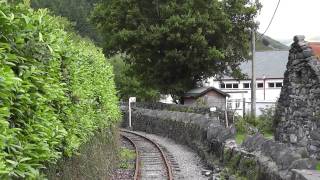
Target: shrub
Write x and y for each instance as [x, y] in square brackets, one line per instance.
[241, 125]
[263, 123]
[56, 90]
[266, 120]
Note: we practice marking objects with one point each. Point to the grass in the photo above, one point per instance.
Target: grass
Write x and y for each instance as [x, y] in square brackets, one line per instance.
[318, 166]
[240, 137]
[126, 156]
[268, 136]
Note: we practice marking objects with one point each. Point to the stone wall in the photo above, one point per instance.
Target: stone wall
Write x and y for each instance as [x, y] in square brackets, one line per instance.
[297, 114]
[189, 109]
[173, 107]
[258, 157]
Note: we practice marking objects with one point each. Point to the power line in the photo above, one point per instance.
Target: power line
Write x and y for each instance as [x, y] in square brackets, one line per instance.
[274, 13]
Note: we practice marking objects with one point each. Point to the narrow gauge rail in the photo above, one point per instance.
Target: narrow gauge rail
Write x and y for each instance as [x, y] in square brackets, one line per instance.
[151, 162]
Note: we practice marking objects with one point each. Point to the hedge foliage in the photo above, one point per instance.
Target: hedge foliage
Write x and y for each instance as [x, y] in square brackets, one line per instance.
[56, 90]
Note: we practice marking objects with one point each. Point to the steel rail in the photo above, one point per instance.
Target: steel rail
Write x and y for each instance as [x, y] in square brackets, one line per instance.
[164, 158]
[137, 163]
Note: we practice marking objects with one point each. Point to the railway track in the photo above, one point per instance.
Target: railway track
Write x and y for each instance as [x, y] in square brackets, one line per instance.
[151, 161]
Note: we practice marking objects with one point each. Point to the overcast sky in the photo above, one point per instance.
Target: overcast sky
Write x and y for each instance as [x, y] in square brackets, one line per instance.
[293, 17]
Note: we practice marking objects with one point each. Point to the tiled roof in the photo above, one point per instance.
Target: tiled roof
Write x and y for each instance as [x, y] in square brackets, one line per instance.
[271, 64]
[202, 90]
[315, 47]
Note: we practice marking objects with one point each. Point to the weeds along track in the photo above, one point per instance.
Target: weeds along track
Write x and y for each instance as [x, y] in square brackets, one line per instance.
[151, 162]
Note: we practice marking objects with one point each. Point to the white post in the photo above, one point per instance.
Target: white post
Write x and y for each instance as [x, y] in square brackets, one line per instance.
[129, 114]
[131, 99]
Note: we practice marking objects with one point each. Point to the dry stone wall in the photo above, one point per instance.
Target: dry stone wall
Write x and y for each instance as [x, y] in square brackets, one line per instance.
[257, 158]
[297, 114]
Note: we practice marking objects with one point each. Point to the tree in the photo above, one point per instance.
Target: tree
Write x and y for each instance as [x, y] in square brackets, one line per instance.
[128, 85]
[175, 44]
[77, 11]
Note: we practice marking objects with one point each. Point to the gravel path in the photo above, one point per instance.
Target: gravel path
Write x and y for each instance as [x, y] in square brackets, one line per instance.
[188, 161]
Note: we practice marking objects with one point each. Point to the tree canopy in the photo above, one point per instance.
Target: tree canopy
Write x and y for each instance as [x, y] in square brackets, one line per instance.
[77, 11]
[128, 85]
[175, 44]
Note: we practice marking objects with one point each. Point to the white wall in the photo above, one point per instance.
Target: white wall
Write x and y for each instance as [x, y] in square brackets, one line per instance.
[266, 96]
[166, 99]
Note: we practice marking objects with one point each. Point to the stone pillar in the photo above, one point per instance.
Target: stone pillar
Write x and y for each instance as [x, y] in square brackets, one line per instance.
[297, 113]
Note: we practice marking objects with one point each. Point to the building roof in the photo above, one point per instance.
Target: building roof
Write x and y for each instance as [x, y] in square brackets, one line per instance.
[197, 92]
[269, 64]
[315, 47]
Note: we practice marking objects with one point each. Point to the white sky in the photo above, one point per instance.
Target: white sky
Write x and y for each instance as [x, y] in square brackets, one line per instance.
[294, 17]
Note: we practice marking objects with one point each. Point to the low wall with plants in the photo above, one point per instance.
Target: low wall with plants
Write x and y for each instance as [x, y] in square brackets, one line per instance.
[205, 110]
[256, 158]
[173, 107]
[56, 91]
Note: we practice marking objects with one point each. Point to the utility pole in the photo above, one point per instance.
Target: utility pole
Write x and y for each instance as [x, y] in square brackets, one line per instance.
[253, 72]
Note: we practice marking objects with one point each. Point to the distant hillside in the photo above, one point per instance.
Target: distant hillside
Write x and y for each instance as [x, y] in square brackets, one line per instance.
[269, 44]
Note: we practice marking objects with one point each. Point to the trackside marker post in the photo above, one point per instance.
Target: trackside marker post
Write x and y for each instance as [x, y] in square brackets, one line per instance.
[131, 100]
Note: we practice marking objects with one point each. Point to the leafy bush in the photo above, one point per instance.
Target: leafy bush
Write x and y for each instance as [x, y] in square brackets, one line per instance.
[262, 123]
[266, 120]
[56, 90]
[241, 125]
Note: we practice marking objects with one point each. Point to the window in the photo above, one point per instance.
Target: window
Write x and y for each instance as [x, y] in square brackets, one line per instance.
[246, 85]
[222, 86]
[260, 85]
[231, 85]
[271, 85]
[275, 85]
[228, 85]
[278, 84]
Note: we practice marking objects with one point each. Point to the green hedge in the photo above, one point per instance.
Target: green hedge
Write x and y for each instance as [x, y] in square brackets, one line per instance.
[56, 90]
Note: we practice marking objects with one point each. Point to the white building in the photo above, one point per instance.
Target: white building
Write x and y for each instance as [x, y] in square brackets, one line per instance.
[270, 68]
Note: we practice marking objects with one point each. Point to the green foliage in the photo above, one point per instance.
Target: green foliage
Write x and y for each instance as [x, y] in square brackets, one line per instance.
[96, 159]
[266, 120]
[200, 102]
[318, 166]
[174, 45]
[241, 125]
[126, 156]
[55, 91]
[240, 137]
[130, 86]
[263, 123]
[76, 11]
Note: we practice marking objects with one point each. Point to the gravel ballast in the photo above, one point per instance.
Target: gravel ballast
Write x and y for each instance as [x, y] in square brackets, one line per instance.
[189, 162]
